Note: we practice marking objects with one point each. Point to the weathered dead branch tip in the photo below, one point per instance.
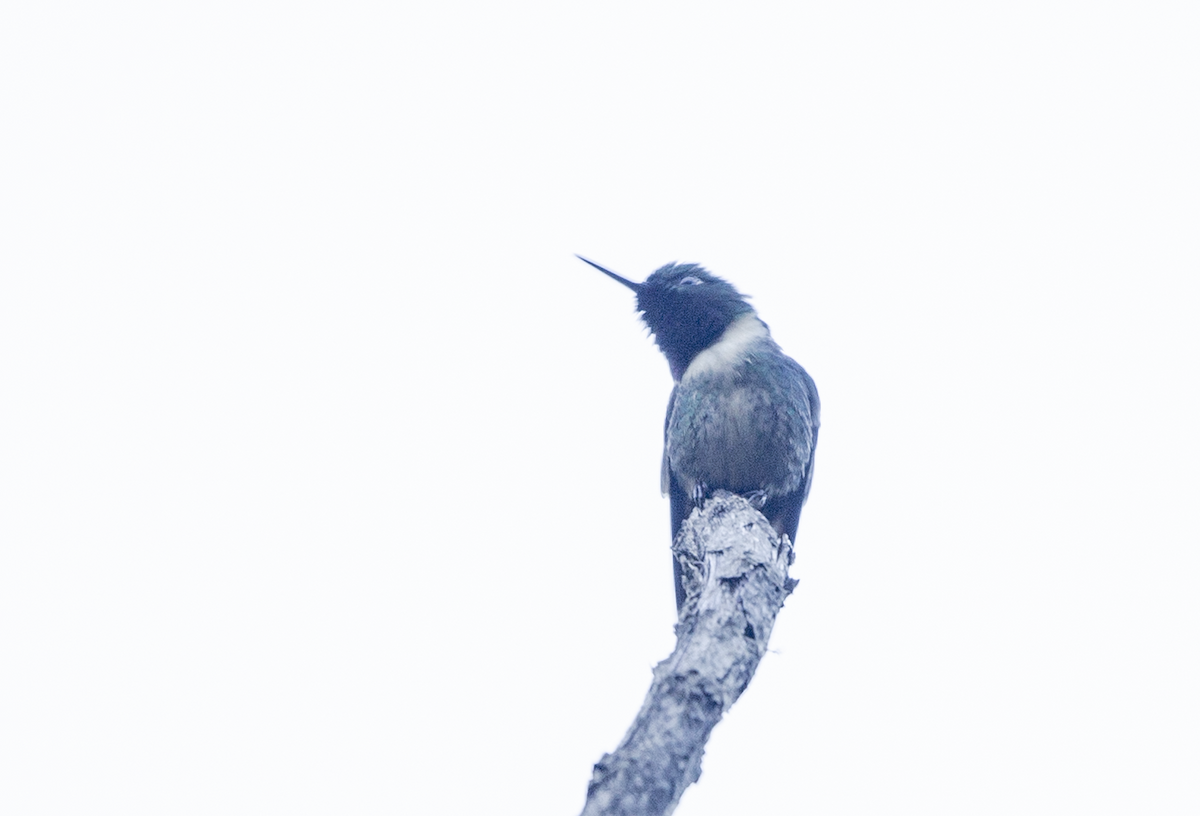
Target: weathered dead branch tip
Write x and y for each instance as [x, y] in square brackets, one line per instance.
[735, 574]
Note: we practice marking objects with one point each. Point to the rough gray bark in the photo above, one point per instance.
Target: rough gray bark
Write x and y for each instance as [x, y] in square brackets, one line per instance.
[735, 573]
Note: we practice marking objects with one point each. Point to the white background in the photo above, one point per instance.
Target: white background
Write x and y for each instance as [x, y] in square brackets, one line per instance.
[330, 477]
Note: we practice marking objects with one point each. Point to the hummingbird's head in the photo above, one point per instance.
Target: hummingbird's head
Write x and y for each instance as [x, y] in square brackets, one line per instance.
[686, 308]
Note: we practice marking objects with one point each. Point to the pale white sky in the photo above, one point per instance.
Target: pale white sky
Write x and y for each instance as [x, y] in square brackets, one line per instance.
[329, 476]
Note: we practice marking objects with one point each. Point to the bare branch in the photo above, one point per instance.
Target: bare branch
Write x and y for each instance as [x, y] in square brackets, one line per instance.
[735, 572]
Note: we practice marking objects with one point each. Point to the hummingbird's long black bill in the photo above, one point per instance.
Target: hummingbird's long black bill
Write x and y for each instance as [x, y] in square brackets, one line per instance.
[637, 287]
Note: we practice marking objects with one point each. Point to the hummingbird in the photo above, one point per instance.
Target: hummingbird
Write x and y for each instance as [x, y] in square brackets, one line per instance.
[743, 416]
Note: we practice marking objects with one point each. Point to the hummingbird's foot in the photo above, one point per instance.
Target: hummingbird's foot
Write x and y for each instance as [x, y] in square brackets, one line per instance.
[699, 493]
[758, 498]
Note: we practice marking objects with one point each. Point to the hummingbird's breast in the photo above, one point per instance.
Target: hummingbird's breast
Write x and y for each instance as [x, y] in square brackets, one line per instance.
[740, 419]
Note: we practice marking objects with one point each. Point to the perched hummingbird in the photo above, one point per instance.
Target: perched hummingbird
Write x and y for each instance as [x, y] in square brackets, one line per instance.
[743, 416]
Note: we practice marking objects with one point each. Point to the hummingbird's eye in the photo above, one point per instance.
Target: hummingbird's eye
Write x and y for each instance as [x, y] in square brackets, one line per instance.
[690, 280]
